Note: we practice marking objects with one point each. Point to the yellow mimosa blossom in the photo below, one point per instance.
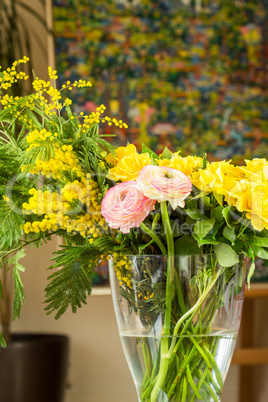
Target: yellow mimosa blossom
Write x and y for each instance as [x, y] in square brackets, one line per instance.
[123, 271]
[63, 160]
[56, 209]
[10, 75]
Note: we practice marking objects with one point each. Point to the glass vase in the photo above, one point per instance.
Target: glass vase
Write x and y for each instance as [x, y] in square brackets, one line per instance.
[178, 318]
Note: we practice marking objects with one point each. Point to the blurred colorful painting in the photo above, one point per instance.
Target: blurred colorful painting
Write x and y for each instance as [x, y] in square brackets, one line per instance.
[187, 74]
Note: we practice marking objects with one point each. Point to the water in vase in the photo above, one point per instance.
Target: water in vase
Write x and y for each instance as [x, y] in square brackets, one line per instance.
[196, 371]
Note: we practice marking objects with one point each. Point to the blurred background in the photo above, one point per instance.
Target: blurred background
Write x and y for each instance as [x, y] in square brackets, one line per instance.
[191, 75]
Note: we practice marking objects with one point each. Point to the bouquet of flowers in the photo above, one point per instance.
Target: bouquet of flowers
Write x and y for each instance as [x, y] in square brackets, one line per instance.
[61, 176]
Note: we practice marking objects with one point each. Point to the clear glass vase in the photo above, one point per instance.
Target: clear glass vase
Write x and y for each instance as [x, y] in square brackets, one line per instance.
[178, 319]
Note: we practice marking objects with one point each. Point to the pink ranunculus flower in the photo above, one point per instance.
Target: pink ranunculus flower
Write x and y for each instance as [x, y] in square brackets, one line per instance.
[161, 183]
[124, 206]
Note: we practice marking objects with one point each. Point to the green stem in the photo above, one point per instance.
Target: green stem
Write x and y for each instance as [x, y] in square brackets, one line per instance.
[169, 286]
[148, 362]
[214, 365]
[167, 227]
[181, 370]
[191, 382]
[154, 237]
[194, 309]
[202, 353]
[206, 386]
[179, 293]
[184, 389]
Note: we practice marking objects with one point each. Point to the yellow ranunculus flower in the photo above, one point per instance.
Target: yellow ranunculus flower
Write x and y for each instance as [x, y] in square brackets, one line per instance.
[247, 196]
[120, 153]
[164, 162]
[185, 165]
[258, 212]
[217, 177]
[129, 167]
[239, 195]
[256, 170]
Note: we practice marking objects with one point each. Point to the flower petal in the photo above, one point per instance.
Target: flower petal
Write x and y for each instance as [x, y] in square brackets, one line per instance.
[124, 206]
[165, 184]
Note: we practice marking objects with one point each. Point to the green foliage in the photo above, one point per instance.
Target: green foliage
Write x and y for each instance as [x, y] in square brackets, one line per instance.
[186, 245]
[203, 227]
[166, 154]
[205, 162]
[152, 154]
[44, 152]
[11, 225]
[226, 256]
[70, 284]
[18, 285]
[151, 298]
[2, 341]
[229, 234]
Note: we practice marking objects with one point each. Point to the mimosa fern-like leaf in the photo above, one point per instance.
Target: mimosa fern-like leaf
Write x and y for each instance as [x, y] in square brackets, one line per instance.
[19, 297]
[70, 284]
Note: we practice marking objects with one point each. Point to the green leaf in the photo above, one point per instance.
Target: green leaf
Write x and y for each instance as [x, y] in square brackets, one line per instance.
[200, 194]
[152, 154]
[106, 146]
[215, 229]
[33, 117]
[11, 223]
[207, 203]
[195, 214]
[203, 227]
[204, 162]
[186, 245]
[2, 341]
[144, 246]
[218, 198]
[229, 234]
[176, 228]
[205, 240]
[226, 212]
[167, 154]
[19, 297]
[259, 251]
[70, 284]
[216, 214]
[258, 241]
[190, 203]
[226, 256]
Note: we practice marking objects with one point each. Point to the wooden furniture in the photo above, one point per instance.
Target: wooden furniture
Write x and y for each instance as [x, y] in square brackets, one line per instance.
[247, 356]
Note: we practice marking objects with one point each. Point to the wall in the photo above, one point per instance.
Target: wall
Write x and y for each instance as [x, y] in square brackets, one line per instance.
[97, 368]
